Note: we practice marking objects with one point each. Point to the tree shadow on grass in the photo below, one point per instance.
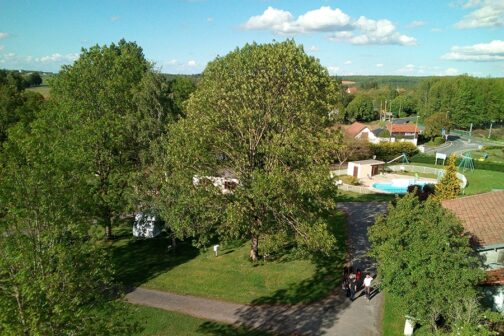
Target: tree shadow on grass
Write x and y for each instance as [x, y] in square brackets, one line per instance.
[309, 307]
[138, 260]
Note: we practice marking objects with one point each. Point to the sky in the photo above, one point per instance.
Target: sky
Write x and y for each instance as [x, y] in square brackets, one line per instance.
[365, 37]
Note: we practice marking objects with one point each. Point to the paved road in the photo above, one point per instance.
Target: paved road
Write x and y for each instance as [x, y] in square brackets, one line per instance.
[335, 315]
[454, 146]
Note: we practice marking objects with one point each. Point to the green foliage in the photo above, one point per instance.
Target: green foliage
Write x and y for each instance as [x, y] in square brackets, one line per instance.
[435, 123]
[16, 105]
[390, 150]
[449, 186]
[54, 279]
[34, 79]
[424, 259]
[404, 105]
[466, 99]
[108, 107]
[384, 133]
[361, 109]
[392, 81]
[259, 114]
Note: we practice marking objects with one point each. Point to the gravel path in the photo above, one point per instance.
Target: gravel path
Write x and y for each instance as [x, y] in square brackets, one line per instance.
[335, 315]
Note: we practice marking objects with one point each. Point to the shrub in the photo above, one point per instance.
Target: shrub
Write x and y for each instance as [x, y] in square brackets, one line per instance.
[390, 150]
[354, 180]
[384, 133]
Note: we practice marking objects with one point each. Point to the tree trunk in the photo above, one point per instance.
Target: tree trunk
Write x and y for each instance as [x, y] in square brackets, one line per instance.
[107, 218]
[174, 242]
[254, 249]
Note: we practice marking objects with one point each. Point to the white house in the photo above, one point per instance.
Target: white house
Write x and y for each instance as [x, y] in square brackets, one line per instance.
[361, 132]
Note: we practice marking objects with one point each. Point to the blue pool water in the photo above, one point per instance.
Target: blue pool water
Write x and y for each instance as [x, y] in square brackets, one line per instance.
[401, 188]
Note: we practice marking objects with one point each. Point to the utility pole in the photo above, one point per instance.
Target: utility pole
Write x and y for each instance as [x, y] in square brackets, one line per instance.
[470, 132]
[490, 131]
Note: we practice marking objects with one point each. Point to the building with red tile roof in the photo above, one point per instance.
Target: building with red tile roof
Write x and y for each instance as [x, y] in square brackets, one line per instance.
[483, 219]
[403, 129]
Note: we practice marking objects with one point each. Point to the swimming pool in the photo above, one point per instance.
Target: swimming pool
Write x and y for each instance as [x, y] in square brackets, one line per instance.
[398, 186]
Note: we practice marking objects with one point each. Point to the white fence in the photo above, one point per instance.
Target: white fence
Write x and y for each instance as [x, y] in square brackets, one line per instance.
[338, 172]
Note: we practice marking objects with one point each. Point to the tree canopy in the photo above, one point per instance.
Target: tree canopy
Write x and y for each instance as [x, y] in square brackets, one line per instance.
[259, 115]
[361, 109]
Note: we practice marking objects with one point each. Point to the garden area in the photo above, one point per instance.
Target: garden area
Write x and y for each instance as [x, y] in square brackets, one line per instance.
[289, 279]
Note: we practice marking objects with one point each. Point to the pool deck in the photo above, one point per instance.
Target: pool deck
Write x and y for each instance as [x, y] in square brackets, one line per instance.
[387, 178]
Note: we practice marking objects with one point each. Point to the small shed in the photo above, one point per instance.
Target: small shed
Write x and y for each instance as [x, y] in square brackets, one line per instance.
[364, 168]
[147, 225]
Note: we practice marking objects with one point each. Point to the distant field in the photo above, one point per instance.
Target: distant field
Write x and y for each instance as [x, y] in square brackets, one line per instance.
[44, 90]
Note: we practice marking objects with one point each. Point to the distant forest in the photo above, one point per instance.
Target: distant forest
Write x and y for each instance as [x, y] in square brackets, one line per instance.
[392, 81]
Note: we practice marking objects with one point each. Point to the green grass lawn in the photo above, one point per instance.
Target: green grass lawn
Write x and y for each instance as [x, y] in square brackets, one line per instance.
[494, 155]
[349, 196]
[158, 322]
[230, 276]
[393, 319]
[479, 180]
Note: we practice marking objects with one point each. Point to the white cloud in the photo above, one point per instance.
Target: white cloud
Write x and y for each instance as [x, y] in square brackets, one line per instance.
[436, 30]
[379, 32]
[323, 19]
[314, 48]
[379, 65]
[333, 69]
[348, 62]
[3, 35]
[451, 72]
[334, 21]
[492, 51]
[191, 63]
[209, 19]
[416, 24]
[488, 13]
[273, 19]
[282, 22]
[171, 62]
[340, 36]
[55, 58]
[115, 18]
[2, 47]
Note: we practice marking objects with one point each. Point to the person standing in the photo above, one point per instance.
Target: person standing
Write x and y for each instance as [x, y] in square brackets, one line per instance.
[352, 286]
[367, 286]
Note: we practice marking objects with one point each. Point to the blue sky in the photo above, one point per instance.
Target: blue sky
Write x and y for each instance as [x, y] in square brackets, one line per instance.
[362, 37]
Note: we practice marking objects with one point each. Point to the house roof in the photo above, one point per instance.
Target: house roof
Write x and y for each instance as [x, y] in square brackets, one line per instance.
[402, 128]
[494, 277]
[482, 217]
[368, 162]
[352, 90]
[354, 129]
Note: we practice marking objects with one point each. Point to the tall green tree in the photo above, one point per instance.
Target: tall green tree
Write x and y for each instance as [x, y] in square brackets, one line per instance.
[361, 109]
[54, 280]
[449, 186]
[109, 106]
[259, 115]
[424, 258]
[435, 123]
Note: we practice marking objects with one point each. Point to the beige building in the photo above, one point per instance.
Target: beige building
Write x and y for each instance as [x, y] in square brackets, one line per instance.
[364, 168]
